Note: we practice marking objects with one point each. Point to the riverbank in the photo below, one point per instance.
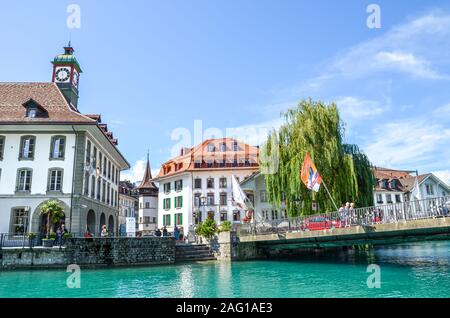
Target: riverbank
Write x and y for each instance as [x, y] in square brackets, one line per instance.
[92, 252]
[407, 270]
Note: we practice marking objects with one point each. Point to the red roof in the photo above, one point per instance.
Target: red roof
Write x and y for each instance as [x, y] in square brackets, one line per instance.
[201, 158]
[13, 96]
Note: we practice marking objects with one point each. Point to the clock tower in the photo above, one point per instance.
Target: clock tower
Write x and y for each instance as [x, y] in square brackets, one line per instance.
[66, 74]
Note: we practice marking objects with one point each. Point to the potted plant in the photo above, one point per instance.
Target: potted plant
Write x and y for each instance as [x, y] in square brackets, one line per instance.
[31, 238]
[54, 213]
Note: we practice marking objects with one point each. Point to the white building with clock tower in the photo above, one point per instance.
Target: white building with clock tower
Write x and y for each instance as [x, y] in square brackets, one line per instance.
[66, 73]
[49, 150]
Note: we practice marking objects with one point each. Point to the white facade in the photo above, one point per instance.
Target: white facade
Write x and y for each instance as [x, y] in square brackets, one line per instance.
[148, 213]
[127, 209]
[191, 210]
[432, 187]
[388, 197]
[53, 178]
[17, 207]
[255, 187]
[40, 165]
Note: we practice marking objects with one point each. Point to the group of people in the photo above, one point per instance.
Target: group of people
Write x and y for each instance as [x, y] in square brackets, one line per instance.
[60, 231]
[177, 233]
[104, 232]
[347, 214]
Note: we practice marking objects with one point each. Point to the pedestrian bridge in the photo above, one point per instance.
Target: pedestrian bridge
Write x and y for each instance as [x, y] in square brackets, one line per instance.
[387, 224]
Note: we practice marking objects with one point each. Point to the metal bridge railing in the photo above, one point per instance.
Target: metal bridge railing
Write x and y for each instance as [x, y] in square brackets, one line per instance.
[367, 216]
[8, 240]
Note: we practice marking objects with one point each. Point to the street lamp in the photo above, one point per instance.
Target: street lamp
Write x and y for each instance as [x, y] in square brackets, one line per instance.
[203, 202]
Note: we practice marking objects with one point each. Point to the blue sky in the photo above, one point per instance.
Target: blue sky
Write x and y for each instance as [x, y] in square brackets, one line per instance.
[151, 67]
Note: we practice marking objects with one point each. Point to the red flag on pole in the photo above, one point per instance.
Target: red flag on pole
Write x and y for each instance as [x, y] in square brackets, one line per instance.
[309, 174]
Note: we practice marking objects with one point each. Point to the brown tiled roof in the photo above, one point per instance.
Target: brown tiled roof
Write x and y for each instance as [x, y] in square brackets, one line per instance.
[96, 117]
[405, 178]
[13, 96]
[200, 154]
[385, 173]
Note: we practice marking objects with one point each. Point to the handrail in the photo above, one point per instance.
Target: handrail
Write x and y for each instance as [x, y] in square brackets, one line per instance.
[365, 216]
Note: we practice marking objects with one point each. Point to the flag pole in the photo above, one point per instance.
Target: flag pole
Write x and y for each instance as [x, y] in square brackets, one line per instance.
[332, 200]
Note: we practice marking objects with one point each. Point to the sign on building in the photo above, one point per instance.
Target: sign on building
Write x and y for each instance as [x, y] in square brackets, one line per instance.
[131, 227]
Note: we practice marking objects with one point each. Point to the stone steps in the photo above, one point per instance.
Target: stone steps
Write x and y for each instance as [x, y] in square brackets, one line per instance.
[193, 252]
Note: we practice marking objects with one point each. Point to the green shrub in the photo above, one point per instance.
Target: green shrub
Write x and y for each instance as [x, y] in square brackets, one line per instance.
[225, 226]
[207, 229]
[31, 236]
[67, 235]
[52, 236]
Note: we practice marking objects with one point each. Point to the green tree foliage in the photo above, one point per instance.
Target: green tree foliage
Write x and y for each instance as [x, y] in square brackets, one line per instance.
[207, 229]
[225, 226]
[54, 212]
[316, 128]
[364, 175]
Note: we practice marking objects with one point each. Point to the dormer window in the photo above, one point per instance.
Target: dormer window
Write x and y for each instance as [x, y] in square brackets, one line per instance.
[211, 147]
[34, 110]
[32, 113]
[394, 184]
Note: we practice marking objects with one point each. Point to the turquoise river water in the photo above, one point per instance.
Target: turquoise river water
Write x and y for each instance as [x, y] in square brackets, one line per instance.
[412, 270]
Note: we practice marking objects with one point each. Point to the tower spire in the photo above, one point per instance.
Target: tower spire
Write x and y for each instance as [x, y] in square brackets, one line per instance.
[147, 180]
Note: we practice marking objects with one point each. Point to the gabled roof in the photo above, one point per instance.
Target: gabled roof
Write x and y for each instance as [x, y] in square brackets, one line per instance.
[200, 155]
[13, 96]
[251, 176]
[406, 179]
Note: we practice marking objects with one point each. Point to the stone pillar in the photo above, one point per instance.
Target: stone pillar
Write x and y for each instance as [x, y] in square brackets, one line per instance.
[224, 246]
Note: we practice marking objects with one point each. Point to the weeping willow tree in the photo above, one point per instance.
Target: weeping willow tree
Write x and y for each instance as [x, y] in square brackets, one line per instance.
[364, 175]
[314, 128]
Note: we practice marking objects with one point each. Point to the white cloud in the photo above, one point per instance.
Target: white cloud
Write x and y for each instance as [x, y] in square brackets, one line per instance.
[136, 172]
[356, 108]
[444, 175]
[418, 144]
[403, 48]
[406, 62]
[442, 111]
[254, 134]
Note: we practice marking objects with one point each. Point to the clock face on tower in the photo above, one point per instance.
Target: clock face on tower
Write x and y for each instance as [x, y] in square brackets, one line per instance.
[62, 74]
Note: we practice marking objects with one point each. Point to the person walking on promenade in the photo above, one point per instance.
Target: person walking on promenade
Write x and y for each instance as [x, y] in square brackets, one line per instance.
[176, 233]
[352, 213]
[347, 214]
[104, 231]
[158, 232]
[342, 214]
[164, 232]
[59, 234]
[87, 234]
